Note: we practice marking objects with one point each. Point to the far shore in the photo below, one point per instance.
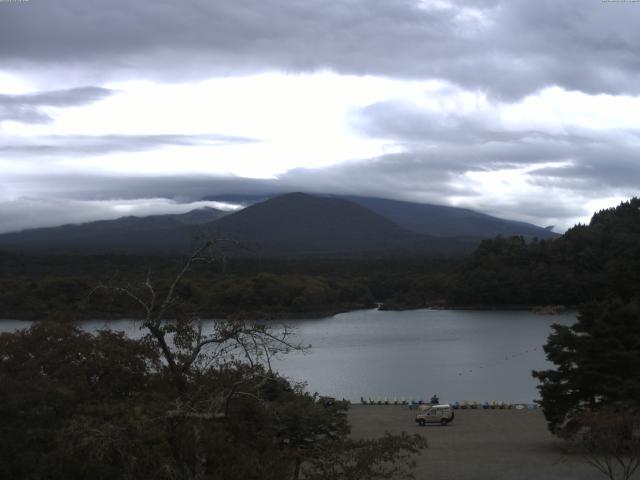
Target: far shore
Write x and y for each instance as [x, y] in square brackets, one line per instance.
[541, 309]
[259, 315]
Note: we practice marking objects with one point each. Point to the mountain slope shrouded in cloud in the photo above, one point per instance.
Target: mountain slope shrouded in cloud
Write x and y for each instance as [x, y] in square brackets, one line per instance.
[443, 221]
[300, 224]
[294, 224]
[153, 234]
[424, 218]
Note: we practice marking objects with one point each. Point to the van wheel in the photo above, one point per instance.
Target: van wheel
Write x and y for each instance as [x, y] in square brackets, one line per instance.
[422, 422]
[443, 422]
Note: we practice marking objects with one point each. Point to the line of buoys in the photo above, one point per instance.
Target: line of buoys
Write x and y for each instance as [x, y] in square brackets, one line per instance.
[499, 362]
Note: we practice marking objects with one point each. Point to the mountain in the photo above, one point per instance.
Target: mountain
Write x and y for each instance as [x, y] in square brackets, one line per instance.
[193, 217]
[294, 224]
[443, 221]
[156, 233]
[426, 219]
[301, 224]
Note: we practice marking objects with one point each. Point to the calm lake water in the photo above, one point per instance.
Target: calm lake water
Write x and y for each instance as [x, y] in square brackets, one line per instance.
[459, 355]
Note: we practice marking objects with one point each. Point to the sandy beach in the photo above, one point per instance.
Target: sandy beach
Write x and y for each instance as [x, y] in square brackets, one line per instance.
[479, 444]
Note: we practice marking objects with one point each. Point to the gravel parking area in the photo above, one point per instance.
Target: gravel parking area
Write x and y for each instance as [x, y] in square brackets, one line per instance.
[479, 444]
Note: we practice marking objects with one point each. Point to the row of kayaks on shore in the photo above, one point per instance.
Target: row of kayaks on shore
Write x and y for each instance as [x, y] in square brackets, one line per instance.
[493, 405]
[462, 405]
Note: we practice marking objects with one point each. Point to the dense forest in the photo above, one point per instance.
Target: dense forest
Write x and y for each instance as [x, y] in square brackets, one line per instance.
[37, 287]
[589, 262]
[594, 261]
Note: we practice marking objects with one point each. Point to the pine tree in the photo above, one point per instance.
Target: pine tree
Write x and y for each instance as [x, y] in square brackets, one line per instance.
[597, 364]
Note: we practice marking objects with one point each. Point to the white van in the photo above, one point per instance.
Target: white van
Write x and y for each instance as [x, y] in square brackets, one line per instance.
[442, 414]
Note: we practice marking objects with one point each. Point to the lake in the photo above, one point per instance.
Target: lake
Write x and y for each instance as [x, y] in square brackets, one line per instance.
[456, 354]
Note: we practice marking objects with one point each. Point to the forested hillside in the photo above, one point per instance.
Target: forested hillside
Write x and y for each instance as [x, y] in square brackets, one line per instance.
[39, 287]
[590, 262]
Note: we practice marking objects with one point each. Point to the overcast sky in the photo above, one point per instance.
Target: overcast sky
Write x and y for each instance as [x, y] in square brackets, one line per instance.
[525, 109]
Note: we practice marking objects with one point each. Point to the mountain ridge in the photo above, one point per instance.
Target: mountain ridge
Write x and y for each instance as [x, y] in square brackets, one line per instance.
[123, 234]
[302, 224]
[425, 218]
[294, 224]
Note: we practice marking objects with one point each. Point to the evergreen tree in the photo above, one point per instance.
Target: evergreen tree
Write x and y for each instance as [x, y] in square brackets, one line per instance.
[597, 364]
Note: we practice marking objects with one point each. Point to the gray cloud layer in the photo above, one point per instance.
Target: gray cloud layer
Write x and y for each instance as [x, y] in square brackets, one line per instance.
[413, 176]
[506, 47]
[567, 169]
[83, 145]
[452, 144]
[96, 187]
[28, 108]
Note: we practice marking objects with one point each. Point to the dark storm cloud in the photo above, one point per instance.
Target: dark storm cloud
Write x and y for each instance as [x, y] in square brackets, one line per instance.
[82, 145]
[507, 47]
[28, 108]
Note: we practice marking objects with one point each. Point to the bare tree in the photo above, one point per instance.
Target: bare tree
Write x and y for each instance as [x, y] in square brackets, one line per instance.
[210, 364]
[610, 440]
[189, 346]
[192, 350]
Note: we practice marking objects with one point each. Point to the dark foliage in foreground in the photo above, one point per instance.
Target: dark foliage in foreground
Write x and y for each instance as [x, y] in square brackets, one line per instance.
[76, 406]
[597, 364]
[188, 401]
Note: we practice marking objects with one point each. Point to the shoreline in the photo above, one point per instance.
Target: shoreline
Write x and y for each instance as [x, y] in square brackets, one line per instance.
[543, 310]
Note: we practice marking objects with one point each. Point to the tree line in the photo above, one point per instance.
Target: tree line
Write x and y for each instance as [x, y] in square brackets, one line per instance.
[36, 288]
